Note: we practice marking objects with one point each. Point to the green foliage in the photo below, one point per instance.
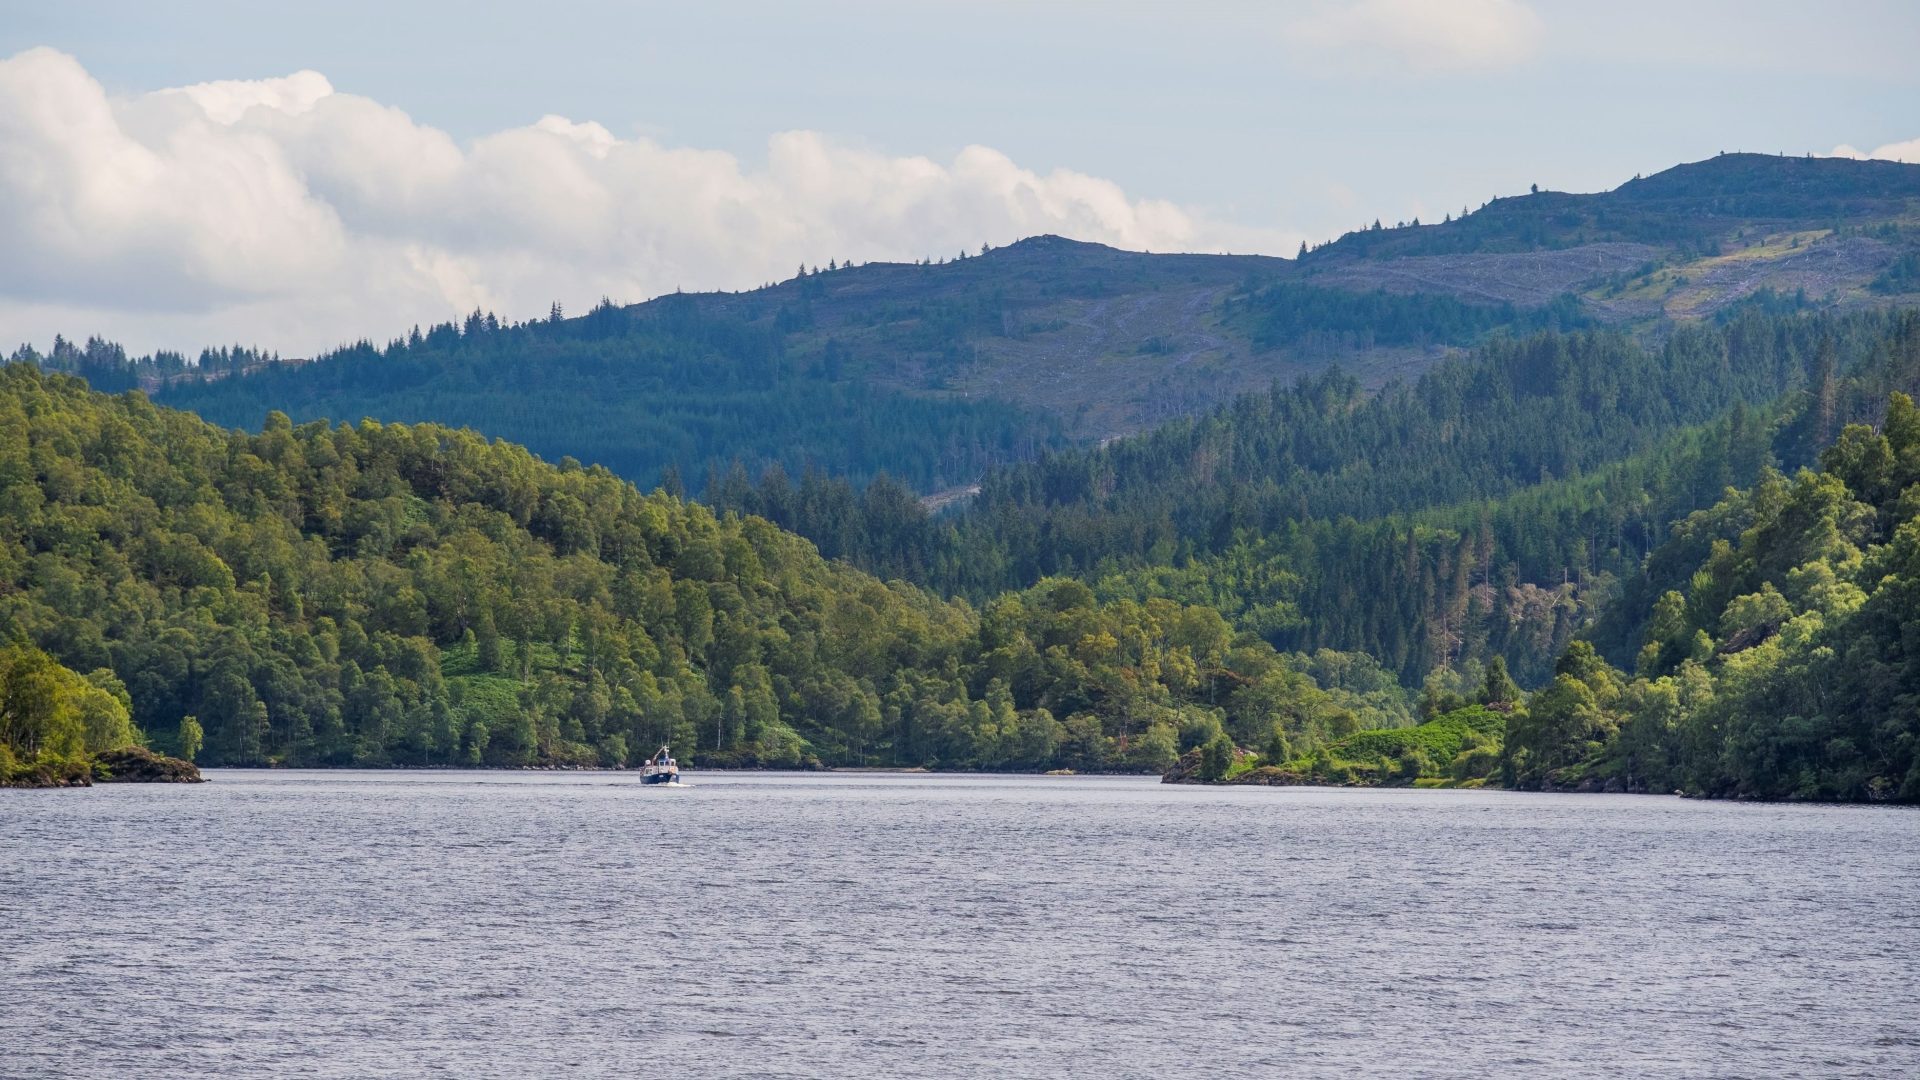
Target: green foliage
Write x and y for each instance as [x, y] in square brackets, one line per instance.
[1786, 666]
[1485, 510]
[1561, 725]
[191, 738]
[1489, 508]
[1276, 750]
[1498, 688]
[52, 720]
[665, 386]
[1427, 751]
[1533, 512]
[1216, 758]
[1901, 277]
[1336, 320]
[416, 595]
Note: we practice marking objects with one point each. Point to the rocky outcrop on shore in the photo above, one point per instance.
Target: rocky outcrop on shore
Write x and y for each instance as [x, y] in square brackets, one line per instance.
[138, 765]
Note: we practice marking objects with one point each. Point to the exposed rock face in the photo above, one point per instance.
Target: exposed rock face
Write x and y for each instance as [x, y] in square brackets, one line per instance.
[138, 765]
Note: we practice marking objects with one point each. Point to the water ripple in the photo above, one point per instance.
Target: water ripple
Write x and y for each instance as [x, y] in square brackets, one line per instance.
[462, 924]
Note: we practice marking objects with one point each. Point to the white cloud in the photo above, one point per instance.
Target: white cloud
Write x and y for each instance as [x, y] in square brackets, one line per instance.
[225, 102]
[1908, 152]
[1423, 36]
[285, 212]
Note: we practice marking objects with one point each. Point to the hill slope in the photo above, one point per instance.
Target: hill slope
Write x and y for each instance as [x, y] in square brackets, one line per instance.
[1679, 244]
[935, 373]
[414, 594]
[1786, 666]
[1491, 508]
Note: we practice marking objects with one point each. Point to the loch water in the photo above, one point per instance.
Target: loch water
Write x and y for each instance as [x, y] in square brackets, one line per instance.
[482, 924]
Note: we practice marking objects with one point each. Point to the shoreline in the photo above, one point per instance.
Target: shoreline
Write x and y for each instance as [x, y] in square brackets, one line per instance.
[890, 769]
[1055, 774]
[883, 770]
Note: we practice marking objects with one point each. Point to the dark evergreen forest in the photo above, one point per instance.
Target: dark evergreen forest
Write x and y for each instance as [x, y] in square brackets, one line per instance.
[1492, 507]
[655, 394]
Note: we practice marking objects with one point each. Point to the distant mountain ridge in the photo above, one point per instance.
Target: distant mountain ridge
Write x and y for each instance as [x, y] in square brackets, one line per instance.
[992, 358]
[1740, 223]
[1691, 202]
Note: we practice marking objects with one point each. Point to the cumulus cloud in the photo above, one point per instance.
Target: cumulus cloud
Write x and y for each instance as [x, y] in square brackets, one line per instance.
[1908, 152]
[286, 212]
[1424, 36]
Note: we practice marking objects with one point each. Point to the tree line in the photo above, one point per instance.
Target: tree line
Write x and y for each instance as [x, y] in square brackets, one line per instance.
[413, 594]
[1492, 507]
[661, 393]
[1786, 666]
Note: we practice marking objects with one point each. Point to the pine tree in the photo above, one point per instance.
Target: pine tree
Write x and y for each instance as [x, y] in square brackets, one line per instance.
[1826, 391]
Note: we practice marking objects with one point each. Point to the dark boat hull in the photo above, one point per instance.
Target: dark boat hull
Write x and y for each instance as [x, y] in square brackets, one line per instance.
[659, 778]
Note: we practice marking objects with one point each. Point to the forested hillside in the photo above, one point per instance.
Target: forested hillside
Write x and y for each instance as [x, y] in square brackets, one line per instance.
[386, 593]
[646, 392]
[816, 373]
[1515, 413]
[1481, 454]
[1788, 663]
[1488, 509]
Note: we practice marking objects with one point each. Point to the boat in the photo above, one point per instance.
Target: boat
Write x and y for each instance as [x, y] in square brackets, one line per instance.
[660, 769]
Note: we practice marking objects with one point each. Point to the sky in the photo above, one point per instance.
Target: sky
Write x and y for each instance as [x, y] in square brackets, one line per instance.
[178, 175]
